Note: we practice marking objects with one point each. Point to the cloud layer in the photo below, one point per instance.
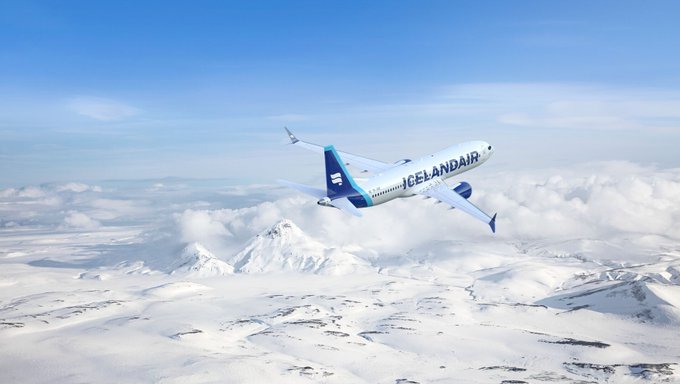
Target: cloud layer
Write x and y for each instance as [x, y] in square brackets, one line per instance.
[611, 203]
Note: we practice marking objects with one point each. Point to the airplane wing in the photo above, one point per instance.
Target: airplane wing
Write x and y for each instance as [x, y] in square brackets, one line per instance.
[360, 162]
[441, 191]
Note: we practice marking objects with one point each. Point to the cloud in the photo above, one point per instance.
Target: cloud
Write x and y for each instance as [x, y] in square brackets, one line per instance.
[32, 192]
[616, 202]
[80, 220]
[204, 227]
[596, 200]
[77, 188]
[44, 205]
[606, 200]
[113, 208]
[581, 106]
[101, 109]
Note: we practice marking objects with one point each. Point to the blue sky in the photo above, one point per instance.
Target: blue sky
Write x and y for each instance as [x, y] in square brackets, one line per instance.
[100, 90]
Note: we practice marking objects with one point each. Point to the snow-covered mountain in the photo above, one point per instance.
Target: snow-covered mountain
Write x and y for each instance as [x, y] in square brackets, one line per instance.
[197, 261]
[629, 294]
[285, 247]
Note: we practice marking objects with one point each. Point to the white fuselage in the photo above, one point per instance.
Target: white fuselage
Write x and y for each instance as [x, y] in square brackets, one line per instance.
[416, 176]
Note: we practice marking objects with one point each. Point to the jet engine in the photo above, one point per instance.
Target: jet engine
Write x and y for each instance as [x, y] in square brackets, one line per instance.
[464, 189]
[326, 202]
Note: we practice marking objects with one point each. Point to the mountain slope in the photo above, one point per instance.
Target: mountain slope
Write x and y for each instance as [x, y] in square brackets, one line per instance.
[642, 299]
[285, 247]
[197, 261]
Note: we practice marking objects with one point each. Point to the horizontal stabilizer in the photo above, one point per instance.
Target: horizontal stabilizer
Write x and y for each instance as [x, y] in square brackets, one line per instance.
[346, 206]
[312, 191]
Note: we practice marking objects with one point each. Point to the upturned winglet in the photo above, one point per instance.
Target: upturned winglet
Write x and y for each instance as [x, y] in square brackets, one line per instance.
[292, 137]
[492, 223]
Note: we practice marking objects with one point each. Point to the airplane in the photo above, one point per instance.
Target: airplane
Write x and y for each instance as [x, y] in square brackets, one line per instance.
[404, 178]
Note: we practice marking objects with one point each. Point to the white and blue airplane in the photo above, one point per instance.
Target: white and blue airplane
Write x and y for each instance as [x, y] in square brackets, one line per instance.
[404, 178]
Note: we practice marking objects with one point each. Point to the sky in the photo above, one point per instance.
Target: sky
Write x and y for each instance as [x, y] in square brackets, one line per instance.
[135, 90]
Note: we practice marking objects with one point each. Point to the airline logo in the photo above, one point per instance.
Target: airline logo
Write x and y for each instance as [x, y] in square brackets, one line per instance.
[336, 178]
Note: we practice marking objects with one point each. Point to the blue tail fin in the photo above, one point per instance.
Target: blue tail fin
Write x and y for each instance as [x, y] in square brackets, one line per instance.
[339, 183]
[338, 180]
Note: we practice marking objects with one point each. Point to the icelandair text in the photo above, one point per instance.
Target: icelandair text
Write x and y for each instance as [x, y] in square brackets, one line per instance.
[441, 170]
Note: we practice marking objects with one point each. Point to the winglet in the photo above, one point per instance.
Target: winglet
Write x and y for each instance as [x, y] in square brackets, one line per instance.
[492, 223]
[292, 137]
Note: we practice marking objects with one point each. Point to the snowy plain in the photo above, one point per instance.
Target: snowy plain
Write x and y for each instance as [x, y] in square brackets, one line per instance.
[180, 281]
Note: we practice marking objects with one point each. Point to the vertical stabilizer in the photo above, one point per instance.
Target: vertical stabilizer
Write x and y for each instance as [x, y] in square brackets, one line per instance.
[338, 180]
[339, 183]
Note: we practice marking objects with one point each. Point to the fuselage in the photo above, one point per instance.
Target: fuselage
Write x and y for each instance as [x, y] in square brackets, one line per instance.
[413, 177]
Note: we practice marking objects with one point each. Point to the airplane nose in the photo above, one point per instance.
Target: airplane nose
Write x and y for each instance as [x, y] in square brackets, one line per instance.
[488, 149]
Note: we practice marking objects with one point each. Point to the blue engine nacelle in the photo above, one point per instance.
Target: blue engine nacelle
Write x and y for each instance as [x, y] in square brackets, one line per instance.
[464, 189]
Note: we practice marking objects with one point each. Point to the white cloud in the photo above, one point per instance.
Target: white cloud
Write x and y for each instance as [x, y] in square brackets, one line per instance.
[101, 109]
[582, 106]
[107, 209]
[80, 220]
[44, 205]
[77, 188]
[204, 227]
[537, 105]
[608, 201]
[31, 192]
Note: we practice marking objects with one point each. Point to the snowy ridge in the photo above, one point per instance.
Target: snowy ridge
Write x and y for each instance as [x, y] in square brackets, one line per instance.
[197, 261]
[285, 247]
[629, 294]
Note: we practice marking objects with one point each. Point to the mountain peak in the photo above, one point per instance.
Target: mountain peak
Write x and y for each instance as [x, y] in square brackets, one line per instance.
[283, 228]
[285, 247]
[196, 260]
[197, 249]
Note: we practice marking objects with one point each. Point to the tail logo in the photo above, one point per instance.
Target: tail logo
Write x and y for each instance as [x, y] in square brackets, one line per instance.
[336, 178]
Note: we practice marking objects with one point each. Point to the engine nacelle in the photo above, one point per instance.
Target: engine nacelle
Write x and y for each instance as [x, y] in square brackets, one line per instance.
[402, 161]
[464, 189]
[326, 202]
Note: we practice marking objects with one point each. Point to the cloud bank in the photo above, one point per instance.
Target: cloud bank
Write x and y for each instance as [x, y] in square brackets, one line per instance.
[101, 109]
[610, 201]
[80, 220]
